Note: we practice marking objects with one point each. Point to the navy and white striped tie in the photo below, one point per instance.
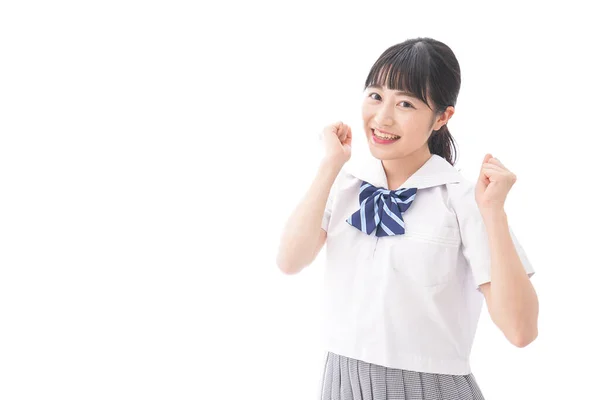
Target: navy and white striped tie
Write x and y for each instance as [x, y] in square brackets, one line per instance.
[382, 209]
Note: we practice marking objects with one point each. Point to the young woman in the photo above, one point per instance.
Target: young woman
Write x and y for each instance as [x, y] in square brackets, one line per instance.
[413, 248]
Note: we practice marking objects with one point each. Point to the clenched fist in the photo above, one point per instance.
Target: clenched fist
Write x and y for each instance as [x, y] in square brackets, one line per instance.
[337, 139]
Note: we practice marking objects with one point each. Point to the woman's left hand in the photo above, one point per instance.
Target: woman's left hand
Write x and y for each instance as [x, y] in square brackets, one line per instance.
[493, 185]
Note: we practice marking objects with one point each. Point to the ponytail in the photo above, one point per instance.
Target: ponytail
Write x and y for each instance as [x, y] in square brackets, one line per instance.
[442, 143]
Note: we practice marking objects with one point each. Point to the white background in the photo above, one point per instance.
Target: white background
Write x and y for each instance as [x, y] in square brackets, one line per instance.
[151, 153]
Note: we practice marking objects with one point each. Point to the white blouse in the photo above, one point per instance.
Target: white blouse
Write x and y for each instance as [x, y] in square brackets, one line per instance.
[409, 301]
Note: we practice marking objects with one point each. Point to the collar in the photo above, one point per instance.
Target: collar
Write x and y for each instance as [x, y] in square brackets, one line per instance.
[436, 171]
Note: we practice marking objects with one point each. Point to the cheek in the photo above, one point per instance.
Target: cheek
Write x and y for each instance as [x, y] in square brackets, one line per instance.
[414, 125]
[367, 120]
[365, 114]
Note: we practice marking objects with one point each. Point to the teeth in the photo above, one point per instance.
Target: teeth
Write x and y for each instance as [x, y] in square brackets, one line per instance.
[384, 136]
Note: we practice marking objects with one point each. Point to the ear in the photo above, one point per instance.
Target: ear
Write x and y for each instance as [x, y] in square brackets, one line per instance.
[443, 118]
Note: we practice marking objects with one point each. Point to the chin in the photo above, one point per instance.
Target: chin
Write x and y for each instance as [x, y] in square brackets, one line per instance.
[385, 154]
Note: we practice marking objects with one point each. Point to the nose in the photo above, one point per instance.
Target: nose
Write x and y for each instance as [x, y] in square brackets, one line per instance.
[383, 117]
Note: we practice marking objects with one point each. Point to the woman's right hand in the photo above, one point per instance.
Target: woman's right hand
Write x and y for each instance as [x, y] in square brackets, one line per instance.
[337, 139]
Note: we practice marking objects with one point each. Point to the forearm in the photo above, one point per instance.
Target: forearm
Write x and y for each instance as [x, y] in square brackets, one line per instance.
[514, 303]
[301, 232]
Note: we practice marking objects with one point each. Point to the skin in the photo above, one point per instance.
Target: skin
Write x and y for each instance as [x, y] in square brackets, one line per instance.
[511, 300]
[407, 117]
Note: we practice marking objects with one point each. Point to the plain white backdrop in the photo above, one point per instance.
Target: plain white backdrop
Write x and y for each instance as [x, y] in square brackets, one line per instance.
[151, 152]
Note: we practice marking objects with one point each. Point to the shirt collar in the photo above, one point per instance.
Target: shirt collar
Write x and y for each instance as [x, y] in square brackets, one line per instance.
[436, 171]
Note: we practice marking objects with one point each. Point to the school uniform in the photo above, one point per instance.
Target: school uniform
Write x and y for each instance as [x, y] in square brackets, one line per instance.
[400, 310]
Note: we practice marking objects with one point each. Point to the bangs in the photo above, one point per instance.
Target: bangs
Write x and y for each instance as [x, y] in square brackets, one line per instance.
[405, 70]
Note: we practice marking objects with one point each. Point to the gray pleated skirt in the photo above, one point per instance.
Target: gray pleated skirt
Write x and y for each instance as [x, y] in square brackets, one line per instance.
[345, 378]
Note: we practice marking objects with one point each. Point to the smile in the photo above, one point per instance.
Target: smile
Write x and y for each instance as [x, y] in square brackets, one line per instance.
[383, 138]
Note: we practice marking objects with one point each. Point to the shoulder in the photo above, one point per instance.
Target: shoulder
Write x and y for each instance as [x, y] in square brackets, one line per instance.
[347, 175]
[461, 195]
[464, 187]
[344, 181]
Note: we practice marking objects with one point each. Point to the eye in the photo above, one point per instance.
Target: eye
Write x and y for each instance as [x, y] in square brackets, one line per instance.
[371, 94]
[379, 98]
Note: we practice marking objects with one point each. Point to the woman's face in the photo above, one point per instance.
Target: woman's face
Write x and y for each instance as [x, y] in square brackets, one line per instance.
[388, 113]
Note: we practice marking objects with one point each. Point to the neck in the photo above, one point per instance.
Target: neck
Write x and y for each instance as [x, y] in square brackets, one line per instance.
[398, 170]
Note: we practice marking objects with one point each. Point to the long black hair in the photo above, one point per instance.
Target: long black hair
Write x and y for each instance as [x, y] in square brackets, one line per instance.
[422, 66]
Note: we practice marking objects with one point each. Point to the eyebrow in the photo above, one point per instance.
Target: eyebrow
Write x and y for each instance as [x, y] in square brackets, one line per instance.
[398, 92]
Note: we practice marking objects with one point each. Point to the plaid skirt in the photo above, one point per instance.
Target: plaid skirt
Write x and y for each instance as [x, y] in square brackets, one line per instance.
[345, 378]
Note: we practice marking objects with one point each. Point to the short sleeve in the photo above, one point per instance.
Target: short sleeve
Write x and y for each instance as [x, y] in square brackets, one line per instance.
[331, 200]
[474, 237]
[327, 214]
[329, 207]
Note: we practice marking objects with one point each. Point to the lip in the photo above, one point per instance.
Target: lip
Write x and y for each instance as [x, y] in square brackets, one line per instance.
[376, 140]
[382, 131]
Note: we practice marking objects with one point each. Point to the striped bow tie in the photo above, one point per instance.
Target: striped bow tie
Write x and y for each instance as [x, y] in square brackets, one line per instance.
[382, 209]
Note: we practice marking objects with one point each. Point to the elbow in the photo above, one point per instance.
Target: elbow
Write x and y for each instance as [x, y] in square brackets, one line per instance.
[524, 339]
[292, 262]
[522, 343]
[288, 268]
